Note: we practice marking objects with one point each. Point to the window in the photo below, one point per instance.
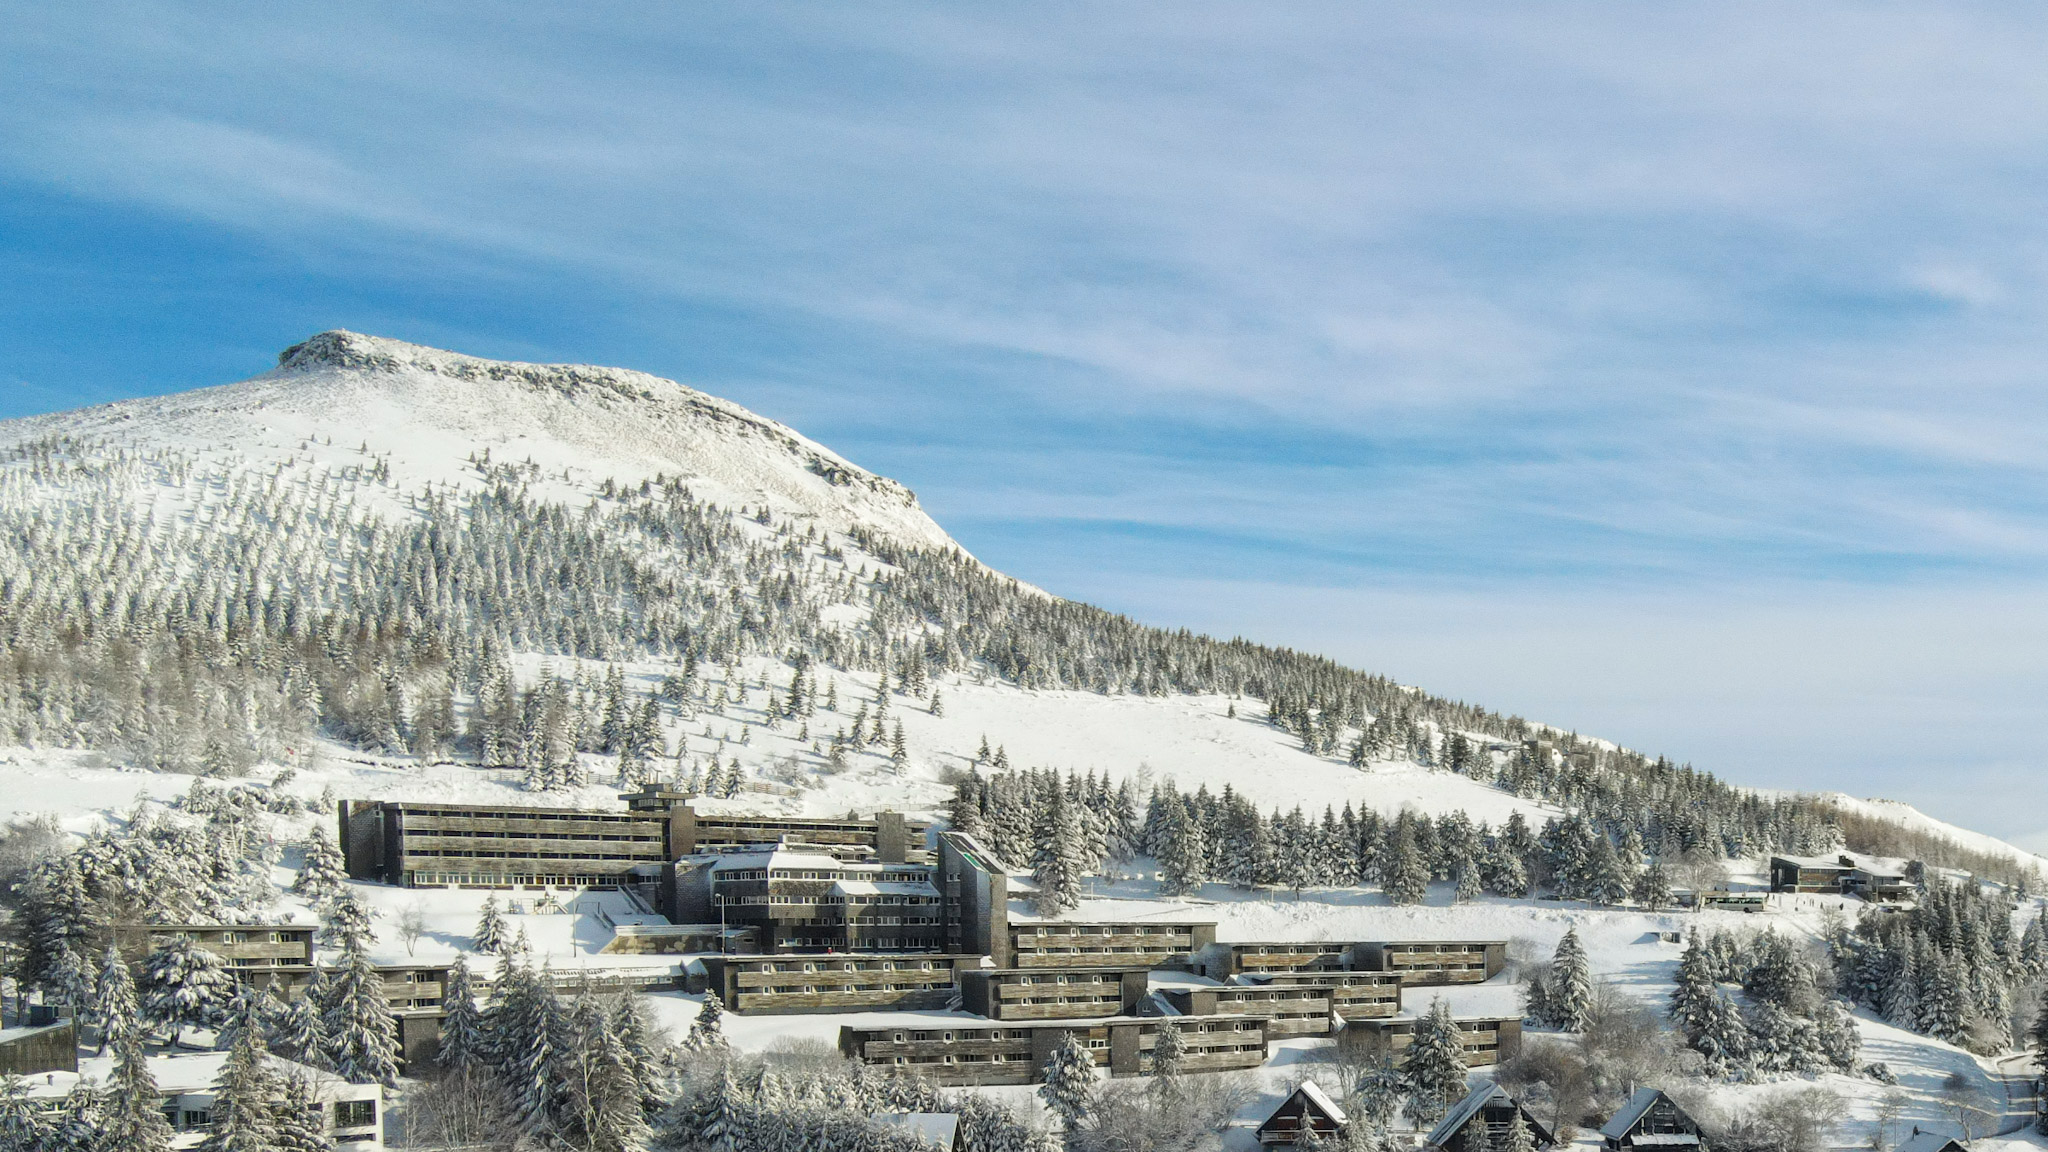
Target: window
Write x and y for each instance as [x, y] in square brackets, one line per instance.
[355, 1113]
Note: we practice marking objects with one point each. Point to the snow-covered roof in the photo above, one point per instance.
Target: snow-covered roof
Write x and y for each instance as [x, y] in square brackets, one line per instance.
[940, 1128]
[1618, 1124]
[1462, 1111]
[176, 1074]
[1928, 1142]
[1314, 1092]
[1495, 1001]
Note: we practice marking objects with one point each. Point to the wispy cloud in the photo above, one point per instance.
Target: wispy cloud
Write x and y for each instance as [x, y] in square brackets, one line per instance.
[1659, 300]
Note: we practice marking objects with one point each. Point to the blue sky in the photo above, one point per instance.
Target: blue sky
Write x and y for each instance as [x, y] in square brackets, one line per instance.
[1670, 373]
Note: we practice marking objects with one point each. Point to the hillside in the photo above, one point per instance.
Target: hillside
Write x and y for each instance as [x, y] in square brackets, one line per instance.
[382, 571]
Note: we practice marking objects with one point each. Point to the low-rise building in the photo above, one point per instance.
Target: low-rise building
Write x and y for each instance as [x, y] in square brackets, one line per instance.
[1106, 944]
[962, 1051]
[775, 985]
[1435, 962]
[1482, 1122]
[1224, 959]
[25, 1051]
[1813, 874]
[1059, 994]
[352, 1115]
[278, 955]
[1649, 1120]
[1306, 1113]
[1290, 1009]
[1353, 995]
[1487, 1039]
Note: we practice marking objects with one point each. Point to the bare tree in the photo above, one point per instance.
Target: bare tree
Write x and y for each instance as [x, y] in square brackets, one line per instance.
[1974, 1112]
[412, 924]
[1890, 1107]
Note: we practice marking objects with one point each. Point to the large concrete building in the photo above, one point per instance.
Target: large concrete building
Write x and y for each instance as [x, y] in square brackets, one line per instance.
[965, 1051]
[890, 837]
[802, 899]
[417, 845]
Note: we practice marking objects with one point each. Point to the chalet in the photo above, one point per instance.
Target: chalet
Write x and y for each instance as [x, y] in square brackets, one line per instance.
[781, 985]
[940, 1130]
[1061, 994]
[1481, 1121]
[1291, 1009]
[1435, 962]
[1650, 1120]
[1815, 874]
[1307, 1109]
[961, 1050]
[1931, 1142]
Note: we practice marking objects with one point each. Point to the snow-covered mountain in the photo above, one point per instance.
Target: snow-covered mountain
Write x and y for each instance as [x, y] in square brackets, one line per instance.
[426, 413]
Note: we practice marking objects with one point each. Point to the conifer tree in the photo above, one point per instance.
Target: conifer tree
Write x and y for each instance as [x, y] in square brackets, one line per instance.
[1434, 1072]
[22, 1125]
[707, 1031]
[356, 1021]
[113, 1005]
[1468, 888]
[1183, 852]
[323, 875]
[490, 929]
[1519, 1137]
[1169, 1053]
[243, 1110]
[462, 1028]
[1407, 878]
[133, 1119]
[298, 1116]
[1056, 867]
[183, 985]
[1069, 1087]
[1571, 984]
[1693, 988]
[295, 1032]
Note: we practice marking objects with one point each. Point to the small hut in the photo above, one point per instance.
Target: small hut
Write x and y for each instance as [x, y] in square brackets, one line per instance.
[1481, 1122]
[1651, 1121]
[1931, 1142]
[1307, 1108]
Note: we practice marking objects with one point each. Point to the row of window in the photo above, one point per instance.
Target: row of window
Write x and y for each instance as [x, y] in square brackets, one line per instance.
[416, 816]
[839, 989]
[492, 880]
[459, 834]
[478, 854]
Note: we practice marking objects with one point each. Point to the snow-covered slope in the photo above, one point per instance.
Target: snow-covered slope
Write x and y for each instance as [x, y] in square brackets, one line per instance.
[426, 413]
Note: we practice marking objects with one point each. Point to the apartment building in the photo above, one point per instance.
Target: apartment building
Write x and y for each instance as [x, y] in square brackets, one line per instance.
[1222, 960]
[1487, 1039]
[1106, 944]
[775, 985]
[1289, 1009]
[801, 899]
[1435, 962]
[415, 845]
[1353, 995]
[1063, 994]
[257, 953]
[967, 1052]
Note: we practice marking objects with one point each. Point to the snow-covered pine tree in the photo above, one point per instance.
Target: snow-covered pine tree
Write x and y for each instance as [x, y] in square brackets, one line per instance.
[1837, 1037]
[1069, 1087]
[1693, 989]
[23, 1127]
[1183, 850]
[1407, 876]
[295, 1032]
[707, 1031]
[345, 923]
[1571, 984]
[489, 938]
[133, 1118]
[1468, 888]
[1057, 866]
[462, 1028]
[243, 1108]
[323, 874]
[1652, 888]
[1519, 1137]
[113, 1005]
[1433, 1075]
[183, 985]
[355, 1019]
[299, 1116]
[1169, 1053]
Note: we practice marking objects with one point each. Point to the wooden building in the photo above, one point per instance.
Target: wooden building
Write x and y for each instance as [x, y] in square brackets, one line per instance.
[248, 949]
[801, 899]
[779, 985]
[1307, 1109]
[1105, 944]
[1433, 962]
[963, 1052]
[1487, 1039]
[1224, 959]
[1290, 1009]
[416, 845]
[1353, 995]
[1057, 994]
[1651, 1120]
[1481, 1121]
[46, 1048]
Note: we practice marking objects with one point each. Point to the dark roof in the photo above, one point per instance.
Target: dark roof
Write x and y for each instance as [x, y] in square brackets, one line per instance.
[1618, 1125]
[1462, 1112]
